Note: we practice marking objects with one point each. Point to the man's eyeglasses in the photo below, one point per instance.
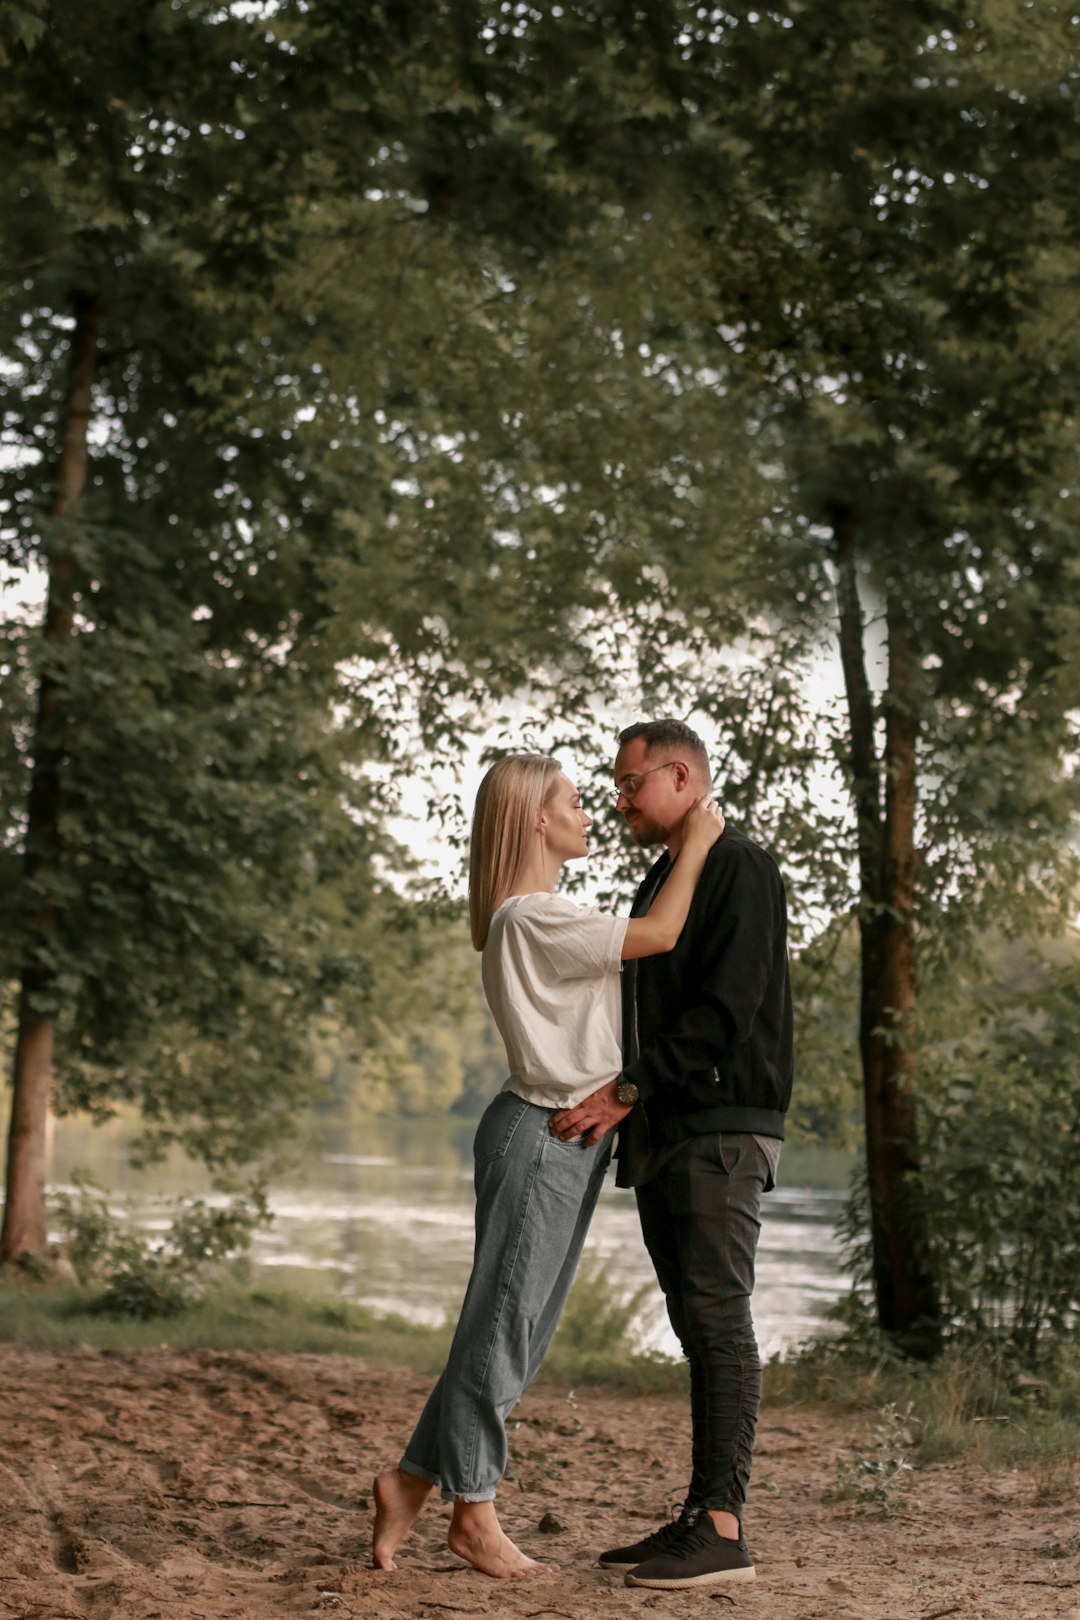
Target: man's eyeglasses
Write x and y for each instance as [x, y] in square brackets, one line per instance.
[630, 786]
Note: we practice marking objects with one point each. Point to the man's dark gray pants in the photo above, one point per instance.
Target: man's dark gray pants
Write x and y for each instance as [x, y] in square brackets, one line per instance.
[700, 1220]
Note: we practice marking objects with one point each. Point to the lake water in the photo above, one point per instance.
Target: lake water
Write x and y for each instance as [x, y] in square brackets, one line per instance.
[387, 1221]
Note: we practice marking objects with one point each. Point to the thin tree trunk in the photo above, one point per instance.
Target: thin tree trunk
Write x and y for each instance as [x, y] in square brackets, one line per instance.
[904, 1293]
[24, 1209]
[865, 767]
[907, 1298]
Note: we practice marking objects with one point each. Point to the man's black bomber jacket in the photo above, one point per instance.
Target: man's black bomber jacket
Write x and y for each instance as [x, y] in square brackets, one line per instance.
[707, 1027]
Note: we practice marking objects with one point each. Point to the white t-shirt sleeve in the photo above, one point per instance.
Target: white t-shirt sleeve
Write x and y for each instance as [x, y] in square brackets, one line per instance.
[570, 941]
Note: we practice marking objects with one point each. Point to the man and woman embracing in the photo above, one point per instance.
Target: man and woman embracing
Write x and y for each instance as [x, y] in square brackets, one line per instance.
[671, 1028]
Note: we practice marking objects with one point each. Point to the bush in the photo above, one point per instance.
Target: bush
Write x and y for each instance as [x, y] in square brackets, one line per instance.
[877, 1473]
[145, 1277]
[999, 1183]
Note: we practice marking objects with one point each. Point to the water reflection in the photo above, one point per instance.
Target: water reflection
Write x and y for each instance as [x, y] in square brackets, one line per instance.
[387, 1222]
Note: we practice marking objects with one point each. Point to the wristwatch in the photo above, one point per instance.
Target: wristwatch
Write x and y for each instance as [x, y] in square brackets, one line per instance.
[627, 1093]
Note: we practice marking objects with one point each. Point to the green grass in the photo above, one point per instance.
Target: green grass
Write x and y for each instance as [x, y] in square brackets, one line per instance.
[229, 1317]
[593, 1345]
[972, 1402]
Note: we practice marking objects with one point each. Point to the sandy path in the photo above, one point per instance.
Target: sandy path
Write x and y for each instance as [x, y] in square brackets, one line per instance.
[206, 1486]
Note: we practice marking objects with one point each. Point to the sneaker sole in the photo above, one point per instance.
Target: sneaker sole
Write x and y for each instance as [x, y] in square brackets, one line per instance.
[607, 1563]
[714, 1577]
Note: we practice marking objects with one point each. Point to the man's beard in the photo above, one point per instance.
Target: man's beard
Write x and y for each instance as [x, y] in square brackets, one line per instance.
[645, 833]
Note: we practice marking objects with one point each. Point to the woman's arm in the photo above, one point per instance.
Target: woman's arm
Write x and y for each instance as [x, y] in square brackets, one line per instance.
[659, 930]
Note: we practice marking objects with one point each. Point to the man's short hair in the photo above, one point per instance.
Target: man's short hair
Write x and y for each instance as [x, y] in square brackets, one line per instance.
[658, 735]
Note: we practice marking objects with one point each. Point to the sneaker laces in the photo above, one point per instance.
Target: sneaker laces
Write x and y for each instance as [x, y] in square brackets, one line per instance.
[660, 1540]
[695, 1537]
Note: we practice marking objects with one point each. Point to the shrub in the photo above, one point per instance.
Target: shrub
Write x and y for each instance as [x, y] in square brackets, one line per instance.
[1000, 1176]
[878, 1472]
[145, 1277]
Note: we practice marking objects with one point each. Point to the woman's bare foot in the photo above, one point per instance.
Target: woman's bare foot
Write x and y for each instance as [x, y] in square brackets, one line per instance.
[398, 1499]
[477, 1536]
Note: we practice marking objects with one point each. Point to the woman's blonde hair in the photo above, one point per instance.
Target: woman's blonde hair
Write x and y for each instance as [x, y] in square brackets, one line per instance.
[504, 821]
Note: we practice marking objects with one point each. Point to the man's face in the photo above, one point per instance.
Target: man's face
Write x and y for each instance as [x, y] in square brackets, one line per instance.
[658, 800]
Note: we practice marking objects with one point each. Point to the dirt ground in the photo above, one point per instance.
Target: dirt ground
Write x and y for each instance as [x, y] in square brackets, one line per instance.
[208, 1486]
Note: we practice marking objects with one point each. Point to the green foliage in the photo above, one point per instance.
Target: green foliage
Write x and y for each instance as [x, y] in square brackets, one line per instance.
[216, 891]
[208, 884]
[146, 1278]
[878, 1473]
[999, 1185]
[21, 24]
[1001, 1175]
[973, 1401]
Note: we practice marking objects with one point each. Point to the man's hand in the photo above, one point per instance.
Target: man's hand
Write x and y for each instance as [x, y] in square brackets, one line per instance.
[591, 1118]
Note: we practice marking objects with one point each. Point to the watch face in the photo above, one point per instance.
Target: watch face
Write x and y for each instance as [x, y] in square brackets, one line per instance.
[626, 1091]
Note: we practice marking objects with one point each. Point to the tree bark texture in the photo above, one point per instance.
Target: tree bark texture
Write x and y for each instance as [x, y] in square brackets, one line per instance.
[886, 799]
[24, 1229]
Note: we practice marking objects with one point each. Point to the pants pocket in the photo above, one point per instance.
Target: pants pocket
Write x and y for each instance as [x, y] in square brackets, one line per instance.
[495, 1132]
[741, 1157]
[576, 1144]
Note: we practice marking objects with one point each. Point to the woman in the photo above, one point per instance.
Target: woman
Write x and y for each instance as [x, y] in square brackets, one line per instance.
[550, 971]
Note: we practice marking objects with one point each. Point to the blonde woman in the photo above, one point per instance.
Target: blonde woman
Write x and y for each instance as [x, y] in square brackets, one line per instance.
[551, 976]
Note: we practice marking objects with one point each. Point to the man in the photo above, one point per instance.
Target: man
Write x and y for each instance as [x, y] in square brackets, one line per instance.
[706, 1081]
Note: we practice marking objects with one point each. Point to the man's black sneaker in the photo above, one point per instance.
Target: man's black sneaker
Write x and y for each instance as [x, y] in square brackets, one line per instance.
[698, 1556]
[657, 1541]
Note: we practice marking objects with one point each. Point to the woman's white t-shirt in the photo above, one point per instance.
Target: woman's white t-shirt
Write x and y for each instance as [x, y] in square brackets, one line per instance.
[551, 977]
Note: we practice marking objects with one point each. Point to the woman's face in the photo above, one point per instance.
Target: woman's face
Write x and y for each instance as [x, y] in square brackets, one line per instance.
[563, 822]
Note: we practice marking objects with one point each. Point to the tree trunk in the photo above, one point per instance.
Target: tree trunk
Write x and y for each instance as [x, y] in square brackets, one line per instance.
[24, 1208]
[906, 1295]
[885, 794]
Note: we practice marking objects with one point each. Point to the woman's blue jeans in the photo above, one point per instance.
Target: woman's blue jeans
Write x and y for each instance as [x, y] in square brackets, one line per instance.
[535, 1197]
